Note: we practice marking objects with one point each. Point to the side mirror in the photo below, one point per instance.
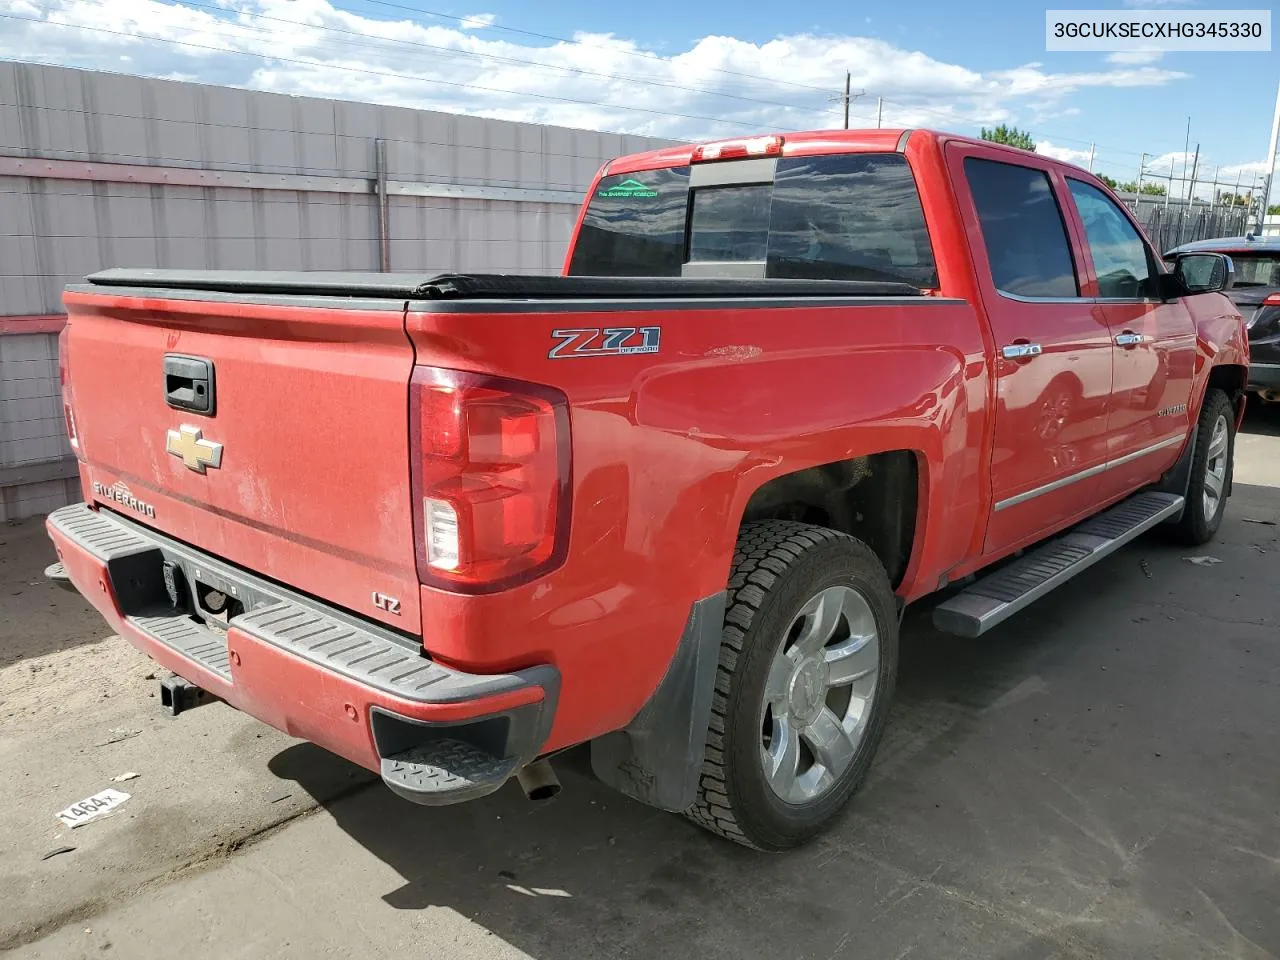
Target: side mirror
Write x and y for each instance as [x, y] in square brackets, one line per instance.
[1203, 273]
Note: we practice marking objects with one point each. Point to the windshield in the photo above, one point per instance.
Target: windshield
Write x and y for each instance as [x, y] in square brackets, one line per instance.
[1256, 271]
[838, 217]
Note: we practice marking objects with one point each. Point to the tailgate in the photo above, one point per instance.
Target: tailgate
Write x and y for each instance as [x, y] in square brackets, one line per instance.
[299, 472]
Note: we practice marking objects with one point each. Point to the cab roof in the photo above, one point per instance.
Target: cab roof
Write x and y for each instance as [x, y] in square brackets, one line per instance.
[816, 142]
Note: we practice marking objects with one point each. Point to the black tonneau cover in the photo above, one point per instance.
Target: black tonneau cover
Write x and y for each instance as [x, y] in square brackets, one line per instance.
[487, 286]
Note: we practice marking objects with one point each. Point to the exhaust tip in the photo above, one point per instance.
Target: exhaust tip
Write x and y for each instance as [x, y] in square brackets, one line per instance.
[538, 780]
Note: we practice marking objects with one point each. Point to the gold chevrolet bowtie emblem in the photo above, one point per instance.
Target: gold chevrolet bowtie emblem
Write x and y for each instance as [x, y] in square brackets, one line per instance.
[196, 452]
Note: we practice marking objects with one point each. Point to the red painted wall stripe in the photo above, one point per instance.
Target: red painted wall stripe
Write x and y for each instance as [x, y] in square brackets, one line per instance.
[49, 323]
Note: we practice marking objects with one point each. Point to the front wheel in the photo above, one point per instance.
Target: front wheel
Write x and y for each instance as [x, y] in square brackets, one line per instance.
[1211, 469]
[808, 660]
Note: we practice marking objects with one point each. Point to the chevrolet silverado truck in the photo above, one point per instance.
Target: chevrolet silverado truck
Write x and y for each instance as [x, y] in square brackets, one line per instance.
[671, 504]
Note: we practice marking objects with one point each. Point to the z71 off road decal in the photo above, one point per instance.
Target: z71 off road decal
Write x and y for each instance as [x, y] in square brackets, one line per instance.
[609, 342]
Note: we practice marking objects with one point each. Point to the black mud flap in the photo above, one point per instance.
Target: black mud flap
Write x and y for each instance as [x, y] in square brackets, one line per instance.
[658, 756]
[1178, 477]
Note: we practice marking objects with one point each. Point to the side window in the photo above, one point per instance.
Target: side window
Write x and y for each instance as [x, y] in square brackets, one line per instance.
[1119, 256]
[1022, 229]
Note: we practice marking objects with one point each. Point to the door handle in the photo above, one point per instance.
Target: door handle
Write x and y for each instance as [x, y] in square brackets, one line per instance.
[1021, 351]
[1130, 339]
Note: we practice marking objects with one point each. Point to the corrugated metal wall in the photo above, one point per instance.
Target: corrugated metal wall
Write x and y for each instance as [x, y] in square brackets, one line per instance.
[36, 466]
[99, 170]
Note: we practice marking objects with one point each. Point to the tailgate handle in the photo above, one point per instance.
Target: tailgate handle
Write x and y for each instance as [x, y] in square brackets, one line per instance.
[188, 383]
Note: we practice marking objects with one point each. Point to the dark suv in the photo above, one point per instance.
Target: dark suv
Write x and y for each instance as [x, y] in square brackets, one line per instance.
[1256, 293]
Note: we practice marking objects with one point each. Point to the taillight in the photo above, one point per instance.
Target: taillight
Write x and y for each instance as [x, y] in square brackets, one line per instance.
[490, 479]
[64, 370]
[1272, 301]
[735, 149]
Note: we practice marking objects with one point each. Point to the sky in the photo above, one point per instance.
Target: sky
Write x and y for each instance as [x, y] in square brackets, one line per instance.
[695, 71]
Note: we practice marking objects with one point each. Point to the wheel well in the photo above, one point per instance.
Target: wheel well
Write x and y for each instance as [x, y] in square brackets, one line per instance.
[873, 498]
[1229, 377]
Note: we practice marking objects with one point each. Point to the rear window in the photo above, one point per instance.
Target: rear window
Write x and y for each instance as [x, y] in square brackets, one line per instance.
[730, 223]
[849, 217]
[634, 226]
[843, 217]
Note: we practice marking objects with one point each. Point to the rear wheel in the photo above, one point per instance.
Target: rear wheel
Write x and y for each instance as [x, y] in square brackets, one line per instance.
[1211, 469]
[807, 665]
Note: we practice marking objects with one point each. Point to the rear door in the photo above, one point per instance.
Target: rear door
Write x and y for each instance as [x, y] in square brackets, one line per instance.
[1053, 346]
[1154, 346]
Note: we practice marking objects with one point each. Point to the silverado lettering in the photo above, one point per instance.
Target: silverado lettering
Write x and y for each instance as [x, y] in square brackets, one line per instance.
[891, 360]
[120, 494]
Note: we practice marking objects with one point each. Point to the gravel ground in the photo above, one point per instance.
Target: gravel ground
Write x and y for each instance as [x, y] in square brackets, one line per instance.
[1096, 778]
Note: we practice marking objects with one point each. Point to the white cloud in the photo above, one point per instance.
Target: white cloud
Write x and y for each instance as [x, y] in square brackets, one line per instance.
[1247, 171]
[1206, 170]
[1176, 161]
[716, 86]
[1135, 57]
[1066, 154]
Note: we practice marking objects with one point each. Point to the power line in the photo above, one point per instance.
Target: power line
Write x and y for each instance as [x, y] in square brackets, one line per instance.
[1045, 133]
[382, 73]
[367, 40]
[651, 56]
[642, 54]
[370, 42]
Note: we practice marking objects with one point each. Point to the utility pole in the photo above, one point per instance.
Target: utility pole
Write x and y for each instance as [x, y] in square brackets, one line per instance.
[1091, 151]
[879, 111]
[1271, 166]
[1212, 214]
[847, 97]
[1137, 186]
[1186, 152]
[1191, 189]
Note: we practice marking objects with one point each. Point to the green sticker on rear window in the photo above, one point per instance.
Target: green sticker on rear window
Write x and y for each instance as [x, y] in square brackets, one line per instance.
[629, 188]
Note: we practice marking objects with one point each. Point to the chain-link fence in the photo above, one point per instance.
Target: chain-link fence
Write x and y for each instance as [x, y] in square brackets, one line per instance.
[1179, 223]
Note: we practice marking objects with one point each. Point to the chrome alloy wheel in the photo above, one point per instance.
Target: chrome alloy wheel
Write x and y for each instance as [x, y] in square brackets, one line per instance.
[1215, 468]
[818, 695]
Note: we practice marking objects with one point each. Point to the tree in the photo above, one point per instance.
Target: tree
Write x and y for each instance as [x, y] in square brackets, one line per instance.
[1149, 188]
[1011, 136]
[1110, 182]
[1273, 210]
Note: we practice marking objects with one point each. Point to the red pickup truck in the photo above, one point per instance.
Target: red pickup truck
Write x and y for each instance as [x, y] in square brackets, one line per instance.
[672, 503]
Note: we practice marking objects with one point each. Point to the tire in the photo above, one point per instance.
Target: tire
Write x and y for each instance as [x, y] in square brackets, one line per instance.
[779, 568]
[1203, 515]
